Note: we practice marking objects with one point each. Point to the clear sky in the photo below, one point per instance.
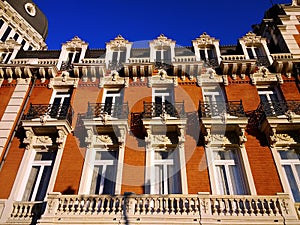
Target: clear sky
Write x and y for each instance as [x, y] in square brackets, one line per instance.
[99, 21]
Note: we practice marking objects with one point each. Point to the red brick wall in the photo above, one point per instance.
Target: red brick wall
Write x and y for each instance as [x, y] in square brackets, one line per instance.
[290, 91]
[70, 169]
[6, 91]
[262, 165]
[10, 168]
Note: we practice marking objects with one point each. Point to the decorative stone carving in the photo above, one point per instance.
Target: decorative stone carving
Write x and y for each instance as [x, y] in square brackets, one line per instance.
[76, 42]
[104, 139]
[220, 138]
[242, 137]
[162, 40]
[44, 118]
[161, 139]
[162, 74]
[117, 43]
[207, 137]
[61, 138]
[164, 116]
[45, 140]
[204, 40]
[290, 115]
[250, 38]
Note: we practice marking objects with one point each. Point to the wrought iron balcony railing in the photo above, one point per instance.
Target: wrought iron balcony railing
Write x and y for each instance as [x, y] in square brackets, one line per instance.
[152, 109]
[214, 109]
[51, 111]
[96, 110]
[262, 61]
[279, 108]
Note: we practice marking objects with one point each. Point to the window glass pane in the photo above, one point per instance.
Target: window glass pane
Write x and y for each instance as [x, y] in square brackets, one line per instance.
[237, 180]
[223, 180]
[43, 186]
[259, 52]
[39, 156]
[96, 180]
[250, 53]
[109, 180]
[16, 36]
[1, 23]
[202, 55]
[158, 55]
[158, 180]
[289, 154]
[77, 56]
[31, 183]
[210, 53]
[70, 57]
[292, 182]
[123, 56]
[106, 155]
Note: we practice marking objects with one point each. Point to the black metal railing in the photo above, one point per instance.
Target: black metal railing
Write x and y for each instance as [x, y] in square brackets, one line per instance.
[152, 109]
[212, 61]
[279, 108]
[262, 61]
[96, 110]
[115, 65]
[51, 111]
[213, 109]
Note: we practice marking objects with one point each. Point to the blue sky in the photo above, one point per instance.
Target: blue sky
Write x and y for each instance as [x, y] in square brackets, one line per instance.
[98, 21]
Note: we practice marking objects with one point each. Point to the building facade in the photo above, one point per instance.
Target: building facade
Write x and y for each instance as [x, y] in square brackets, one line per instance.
[164, 134]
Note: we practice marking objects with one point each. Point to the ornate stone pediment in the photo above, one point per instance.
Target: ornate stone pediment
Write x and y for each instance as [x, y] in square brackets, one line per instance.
[76, 42]
[204, 40]
[251, 39]
[162, 40]
[117, 43]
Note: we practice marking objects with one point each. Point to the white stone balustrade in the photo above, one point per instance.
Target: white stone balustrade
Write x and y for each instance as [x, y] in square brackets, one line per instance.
[139, 60]
[280, 56]
[25, 210]
[297, 207]
[232, 57]
[93, 61]
[185, 59]
[35, 61]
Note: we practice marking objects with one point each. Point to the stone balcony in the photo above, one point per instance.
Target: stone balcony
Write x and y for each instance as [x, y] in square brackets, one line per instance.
[199, 208]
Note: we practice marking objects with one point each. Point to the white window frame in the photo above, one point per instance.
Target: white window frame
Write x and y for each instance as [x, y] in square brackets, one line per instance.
[243, 161]
[154, 182]
[59, 93]
[212, 92]
[164, 92]
[42, 164]
[74, 53]
[24, 173]
[205, 49]
[282, 174]
[88, 170]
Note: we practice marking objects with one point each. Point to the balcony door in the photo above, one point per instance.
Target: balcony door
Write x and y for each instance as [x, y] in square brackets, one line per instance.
[162, 99]
[214, 100]
[112, 102]
[270, 99]
[60, 103]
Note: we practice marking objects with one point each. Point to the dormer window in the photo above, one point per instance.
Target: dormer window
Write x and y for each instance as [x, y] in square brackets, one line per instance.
[119, 55]
[163, 54]
[74, 56]
[255, 52]
[207, 54]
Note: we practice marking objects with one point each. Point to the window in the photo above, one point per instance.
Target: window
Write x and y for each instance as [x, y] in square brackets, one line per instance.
[119, 56]
[290, 162]
[39, 176]
[73, 56]
[163, 101]
[207, 54]
[6, 33]
[255, 52]
[104, 172]
[16, 36]
[60, 104]
[5, 57]
[163, 55]
[1, 23]
[214, 100]
[229, 172]
[165, 173]
[270, 99]
[113, 100]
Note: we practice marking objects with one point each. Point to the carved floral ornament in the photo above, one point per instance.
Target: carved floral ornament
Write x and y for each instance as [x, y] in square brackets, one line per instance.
[162, 40]
[9, 44]
[250, 38]
[204, 40]
[76, 42]
[118, 42]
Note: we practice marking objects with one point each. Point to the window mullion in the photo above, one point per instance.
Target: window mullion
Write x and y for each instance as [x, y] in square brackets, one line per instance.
[37, 183]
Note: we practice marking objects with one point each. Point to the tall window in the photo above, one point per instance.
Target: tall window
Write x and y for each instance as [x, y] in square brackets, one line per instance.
[60, 104]
[104, 172]
[6, 33]
[230, 176]
[113, 100]
[269, 97]
[39, 177]
[290, 162]
[163, 101]
[165, 174]
[214, 100]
